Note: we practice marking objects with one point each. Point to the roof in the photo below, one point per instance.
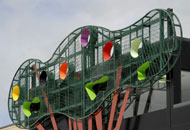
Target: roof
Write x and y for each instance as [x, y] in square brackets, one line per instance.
[10, 127]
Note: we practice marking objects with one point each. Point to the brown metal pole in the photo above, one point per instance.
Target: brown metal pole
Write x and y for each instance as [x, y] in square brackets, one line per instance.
[115, 97]
[46, 101]
[39, 126]
[122, 110]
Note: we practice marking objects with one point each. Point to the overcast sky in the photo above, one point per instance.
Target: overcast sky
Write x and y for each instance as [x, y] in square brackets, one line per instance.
[34, 28]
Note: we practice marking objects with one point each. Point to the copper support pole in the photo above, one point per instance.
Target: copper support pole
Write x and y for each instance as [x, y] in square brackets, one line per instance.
[70, 125]
[98, 117]
[39, 126]
[90, 123]
[122, 110]
[79, 124]
[115, 97]
[46, 101]
[74, 124]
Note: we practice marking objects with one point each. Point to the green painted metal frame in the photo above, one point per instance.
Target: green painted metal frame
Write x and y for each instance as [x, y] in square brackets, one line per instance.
[69, 96]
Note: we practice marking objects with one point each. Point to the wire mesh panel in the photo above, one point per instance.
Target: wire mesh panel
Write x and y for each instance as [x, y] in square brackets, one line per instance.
[80, 76]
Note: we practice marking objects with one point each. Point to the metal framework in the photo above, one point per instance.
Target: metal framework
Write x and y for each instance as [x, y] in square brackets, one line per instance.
[157, 30]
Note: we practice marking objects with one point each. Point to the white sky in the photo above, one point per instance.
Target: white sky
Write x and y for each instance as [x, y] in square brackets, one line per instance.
[34, 28]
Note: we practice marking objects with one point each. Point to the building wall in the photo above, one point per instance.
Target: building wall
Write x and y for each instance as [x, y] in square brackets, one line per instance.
[11, 127]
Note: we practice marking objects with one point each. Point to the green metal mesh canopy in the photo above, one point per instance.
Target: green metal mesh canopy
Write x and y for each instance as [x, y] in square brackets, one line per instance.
[69, 89]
